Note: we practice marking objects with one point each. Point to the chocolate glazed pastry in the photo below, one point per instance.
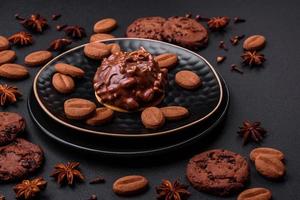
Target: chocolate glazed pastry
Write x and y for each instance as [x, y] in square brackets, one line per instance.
[219, 172]
[10, 125]
[185, 32]
[19, 159]
[130, 81]
[148, 27]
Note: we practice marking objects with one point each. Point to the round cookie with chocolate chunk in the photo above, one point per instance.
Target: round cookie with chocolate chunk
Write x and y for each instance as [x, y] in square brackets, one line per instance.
[11, 124]
[185, 32]
[147, 27]
[19, 159]
[219, 172]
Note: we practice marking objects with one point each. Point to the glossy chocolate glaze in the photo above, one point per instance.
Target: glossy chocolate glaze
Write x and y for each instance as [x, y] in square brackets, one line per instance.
[130, 80]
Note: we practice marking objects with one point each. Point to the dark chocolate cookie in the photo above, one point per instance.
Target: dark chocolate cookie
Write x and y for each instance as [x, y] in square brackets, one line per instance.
[10, 125]
[185, 32]
[219, 172]
[19, 159]
[148, 27]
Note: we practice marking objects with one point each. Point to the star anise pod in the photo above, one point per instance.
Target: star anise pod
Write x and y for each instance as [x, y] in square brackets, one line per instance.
[75, 32]
[218, 23]
[67, 173]
[35, 23]
[8, 94]
[59, 44]
[28, 189]
[21, 38]
[172, 191]
[252, 130]
[253, 58]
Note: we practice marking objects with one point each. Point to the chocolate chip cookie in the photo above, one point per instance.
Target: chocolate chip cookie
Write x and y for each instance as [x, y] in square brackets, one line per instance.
[219, 172]
[19, 159]
[11, 124]
[147, 27]
[185, 32]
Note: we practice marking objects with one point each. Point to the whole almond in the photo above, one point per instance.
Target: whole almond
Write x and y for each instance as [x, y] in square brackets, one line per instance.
[269, 167]
[4, 43]
[13, 71]
[77, 108]
[114, 47]
[267, 152]
[167, 60]
[63, 83]
[38, 58]
[105, 25]
[255, 194]
[188, 79]
[152, 118]
[254, 42]
[102, 115]
[96, 50]
[69, 70]
[174, 112]
[100, 36]
[7, 56]
[130, 185]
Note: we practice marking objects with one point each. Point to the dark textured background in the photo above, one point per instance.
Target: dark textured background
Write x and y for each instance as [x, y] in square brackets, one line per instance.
[269, 94]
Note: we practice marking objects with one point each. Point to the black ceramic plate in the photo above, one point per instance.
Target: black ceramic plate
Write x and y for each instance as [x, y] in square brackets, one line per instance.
[125, 146]
[202, 102]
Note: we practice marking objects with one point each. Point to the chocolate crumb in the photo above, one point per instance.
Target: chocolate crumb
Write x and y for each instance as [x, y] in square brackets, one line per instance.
[222, 45]
[93, 197]
[200, 18]
[97, 180]
[235, 39]
[55, 16]
[188, 15]
[234, 67]
[238, 20]
[61, 27]
[17, 17]
[220, 59]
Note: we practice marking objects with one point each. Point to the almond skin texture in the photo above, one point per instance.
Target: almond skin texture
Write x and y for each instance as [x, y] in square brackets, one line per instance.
[167, 60]
[78, 109]
[13, 71]
[270, 167]
[266, 152]
[105, 25]
[188, 80]
[130, 185]
[70, 70]
[114, 48]
[62, 83]
[174, 113]
[100, 36]
[4, 43]
[254, 43]
[38, 58]
[255, 194]
[152, 118]
[96, 50]
[102, 116]
[7, 56]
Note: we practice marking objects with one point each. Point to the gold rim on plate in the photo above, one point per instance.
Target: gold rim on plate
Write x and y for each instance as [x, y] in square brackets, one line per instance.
[174, 130]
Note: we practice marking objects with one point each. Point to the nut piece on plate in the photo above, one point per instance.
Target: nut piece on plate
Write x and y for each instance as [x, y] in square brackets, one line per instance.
[102, 115]
[4, 43]
[105, 25]
[270, 167]
[63, 83]
[96, 50]
[7, 56]
[38, 58]
[174, 113]
[270, 152]
[70, 70]
[254, 43]
[130, 81]
[255, 194]
[153, 118]
[100, 36]
[130, 185]
[166, 60]
[13, 71]
[188, 79]
[78, 109]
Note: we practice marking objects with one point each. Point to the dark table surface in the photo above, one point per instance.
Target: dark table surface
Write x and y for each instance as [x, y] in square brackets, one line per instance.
[269, 94]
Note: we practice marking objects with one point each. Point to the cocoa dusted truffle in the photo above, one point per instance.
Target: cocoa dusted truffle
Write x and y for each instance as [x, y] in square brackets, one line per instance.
[130, 81]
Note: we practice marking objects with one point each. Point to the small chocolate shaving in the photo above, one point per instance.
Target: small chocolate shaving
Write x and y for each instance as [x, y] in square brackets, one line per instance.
[200, 18]
[188, 15]
[223, 46]
[235, 39]
[234, 67]
[220, 59]
[238, 20]
[17, 17]
[93, 197]
[61, 27]
[55, 17]
[97, 180]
